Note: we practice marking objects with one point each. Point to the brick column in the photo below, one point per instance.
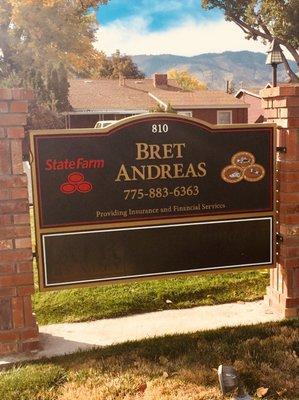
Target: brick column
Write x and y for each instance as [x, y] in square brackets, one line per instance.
[282, 107]
[18, 329]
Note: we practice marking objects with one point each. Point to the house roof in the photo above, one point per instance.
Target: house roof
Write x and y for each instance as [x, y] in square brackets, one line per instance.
[110, 95]
[197, 99]
[255, 92]
[107, 94]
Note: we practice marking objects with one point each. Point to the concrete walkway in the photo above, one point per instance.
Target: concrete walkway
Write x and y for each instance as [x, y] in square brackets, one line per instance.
[59, 339]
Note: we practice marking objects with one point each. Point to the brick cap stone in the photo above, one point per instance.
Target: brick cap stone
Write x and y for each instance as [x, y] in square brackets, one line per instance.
[291, 89]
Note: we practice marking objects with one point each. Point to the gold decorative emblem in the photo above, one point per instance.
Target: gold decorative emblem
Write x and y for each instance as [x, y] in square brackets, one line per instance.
[243, 159]
[232, 174]
[254, 173]
[243, 166]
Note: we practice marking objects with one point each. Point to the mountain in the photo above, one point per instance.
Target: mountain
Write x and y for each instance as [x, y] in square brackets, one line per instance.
[244, 68]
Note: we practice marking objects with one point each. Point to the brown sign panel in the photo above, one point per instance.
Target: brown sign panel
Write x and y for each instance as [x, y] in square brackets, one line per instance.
[117, 254]
[138, 182]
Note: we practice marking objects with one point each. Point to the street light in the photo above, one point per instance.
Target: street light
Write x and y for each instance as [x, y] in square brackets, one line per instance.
[274, 58]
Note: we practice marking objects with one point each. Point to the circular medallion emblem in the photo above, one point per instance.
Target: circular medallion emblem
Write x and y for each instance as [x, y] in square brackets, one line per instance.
[243, 159]
[254, 173]
[232, 174]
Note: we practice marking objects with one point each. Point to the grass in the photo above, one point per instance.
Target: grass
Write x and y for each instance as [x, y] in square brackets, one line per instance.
[181, 367]
[86, 304]
[25, 382]
[125, 299]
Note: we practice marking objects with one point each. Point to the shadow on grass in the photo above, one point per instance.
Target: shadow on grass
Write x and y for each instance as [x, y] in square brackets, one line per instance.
[264, 355]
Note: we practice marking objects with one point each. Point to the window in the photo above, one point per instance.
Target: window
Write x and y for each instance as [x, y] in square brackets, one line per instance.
[269, 103]
[224, 117]
[185, 113]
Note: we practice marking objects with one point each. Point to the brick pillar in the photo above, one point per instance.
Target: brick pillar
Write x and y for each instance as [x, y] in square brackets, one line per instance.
[18, 328]
[282, 107]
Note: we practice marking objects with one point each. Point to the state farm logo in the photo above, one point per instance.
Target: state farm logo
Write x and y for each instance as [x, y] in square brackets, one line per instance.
[78, 163]
[76, 183]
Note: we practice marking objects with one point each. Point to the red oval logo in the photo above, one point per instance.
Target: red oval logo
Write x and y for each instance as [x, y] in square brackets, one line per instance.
[67, 188]
[84, 187]
[75, 177]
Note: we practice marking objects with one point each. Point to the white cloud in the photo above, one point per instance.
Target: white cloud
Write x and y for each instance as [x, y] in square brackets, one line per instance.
[132, 36]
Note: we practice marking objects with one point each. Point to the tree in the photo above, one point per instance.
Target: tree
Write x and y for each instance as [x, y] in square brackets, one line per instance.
[265, 19]
[185, 80]
[230, 87]
[114, 67]
[123, 66]
[96, 65]
[41, 40]
[40, 117]
[162, 109]
[35, 80]
[63, 92]
[35, 31]
[102, 67]
[57, 88]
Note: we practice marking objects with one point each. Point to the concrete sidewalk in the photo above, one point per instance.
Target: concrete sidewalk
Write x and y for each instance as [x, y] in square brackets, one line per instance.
[59, 339]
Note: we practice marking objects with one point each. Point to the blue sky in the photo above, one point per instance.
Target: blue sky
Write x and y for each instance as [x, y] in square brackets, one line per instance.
[179, 27]
[161, 15]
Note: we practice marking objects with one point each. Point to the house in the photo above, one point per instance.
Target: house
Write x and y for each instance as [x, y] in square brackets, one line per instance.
[252, 97]
[106, 99]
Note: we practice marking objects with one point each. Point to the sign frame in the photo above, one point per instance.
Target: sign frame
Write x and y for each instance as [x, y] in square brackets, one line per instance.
[40, 231]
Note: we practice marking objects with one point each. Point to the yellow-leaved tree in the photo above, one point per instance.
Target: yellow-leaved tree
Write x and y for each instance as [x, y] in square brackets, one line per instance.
[186, 80]
[42, 41]
[35, 33]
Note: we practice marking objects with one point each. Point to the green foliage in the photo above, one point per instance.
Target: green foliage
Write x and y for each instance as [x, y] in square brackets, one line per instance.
[265, 19]
[26, 383]
[123, 66]
[63, 89]
[99, 65]
[57, 87]
[118, 300]
[102, 67]
[52, 90]
[278, 18]
[161, 109]
[40, 40]
[158, 108]
[114, 67]
[35, 31]
[41, 117]
[11, 80]
[35, 80]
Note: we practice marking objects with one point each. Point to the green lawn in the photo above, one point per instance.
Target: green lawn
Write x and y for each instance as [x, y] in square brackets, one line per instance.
[85, 304]
[124, 299]
[181, 367]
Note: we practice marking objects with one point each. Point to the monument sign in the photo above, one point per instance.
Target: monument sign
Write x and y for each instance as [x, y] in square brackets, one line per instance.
[150, 196]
